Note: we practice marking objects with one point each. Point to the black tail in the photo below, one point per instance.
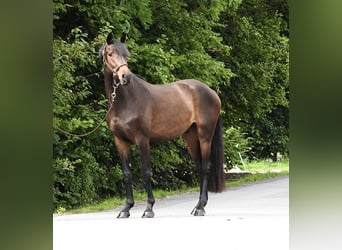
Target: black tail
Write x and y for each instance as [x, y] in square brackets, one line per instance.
[216, 179]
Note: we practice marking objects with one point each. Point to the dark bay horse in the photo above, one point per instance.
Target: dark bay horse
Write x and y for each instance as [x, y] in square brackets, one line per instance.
[142, 113]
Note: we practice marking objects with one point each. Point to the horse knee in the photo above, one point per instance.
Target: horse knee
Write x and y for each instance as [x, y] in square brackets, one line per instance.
[147, 175]
[127, 176]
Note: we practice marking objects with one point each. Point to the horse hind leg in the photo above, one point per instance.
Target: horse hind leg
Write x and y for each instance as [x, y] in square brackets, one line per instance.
[204, 137]
[193, 145]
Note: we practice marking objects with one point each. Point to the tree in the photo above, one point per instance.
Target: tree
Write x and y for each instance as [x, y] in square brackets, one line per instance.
[259, 59]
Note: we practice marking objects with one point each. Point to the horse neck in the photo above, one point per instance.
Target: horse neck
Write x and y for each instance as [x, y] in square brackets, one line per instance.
[108, 80]
[132, 90]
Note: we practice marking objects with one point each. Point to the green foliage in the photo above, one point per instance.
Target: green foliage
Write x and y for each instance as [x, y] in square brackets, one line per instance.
[239, 48]
[259, 59]
[154, 62]
[235, 143]
[82, 167]
[172, 167]
[268, 134]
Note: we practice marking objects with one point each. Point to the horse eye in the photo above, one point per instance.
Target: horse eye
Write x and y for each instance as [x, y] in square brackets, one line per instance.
[110, 54]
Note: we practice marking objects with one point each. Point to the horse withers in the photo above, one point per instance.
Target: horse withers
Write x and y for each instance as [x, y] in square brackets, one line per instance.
[141, 113]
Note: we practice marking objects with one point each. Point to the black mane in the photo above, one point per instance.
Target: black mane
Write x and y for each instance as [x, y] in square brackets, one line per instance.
[120, 48]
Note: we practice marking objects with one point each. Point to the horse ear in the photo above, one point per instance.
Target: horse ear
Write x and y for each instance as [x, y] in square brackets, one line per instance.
[109, 38]
[123, 37]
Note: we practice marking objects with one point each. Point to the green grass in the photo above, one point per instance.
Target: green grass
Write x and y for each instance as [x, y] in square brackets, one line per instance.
[254, 177]
[268, 167]
[260, 170]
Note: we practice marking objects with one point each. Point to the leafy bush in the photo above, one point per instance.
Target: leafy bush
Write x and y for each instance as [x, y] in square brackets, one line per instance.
[83, 171]
[235, 143]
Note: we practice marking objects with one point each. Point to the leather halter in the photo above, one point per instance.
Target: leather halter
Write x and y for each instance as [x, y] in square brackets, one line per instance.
[124, 80]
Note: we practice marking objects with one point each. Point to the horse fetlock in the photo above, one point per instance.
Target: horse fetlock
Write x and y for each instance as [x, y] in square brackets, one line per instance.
[151, 201]
[129, 204]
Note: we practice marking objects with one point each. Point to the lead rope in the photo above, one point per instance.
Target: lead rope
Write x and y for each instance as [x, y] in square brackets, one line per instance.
[113, 95]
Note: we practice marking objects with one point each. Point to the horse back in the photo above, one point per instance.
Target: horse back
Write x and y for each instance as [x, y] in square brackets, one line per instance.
[178, 105]
[205, 101]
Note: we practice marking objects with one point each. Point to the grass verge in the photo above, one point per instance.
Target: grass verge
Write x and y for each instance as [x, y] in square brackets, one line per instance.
[255, 177]
[259, 170]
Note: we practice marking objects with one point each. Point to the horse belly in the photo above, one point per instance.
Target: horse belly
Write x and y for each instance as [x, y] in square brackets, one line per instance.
[173, 112]
[170, 126]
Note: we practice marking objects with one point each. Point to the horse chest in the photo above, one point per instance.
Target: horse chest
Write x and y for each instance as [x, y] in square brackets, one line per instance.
[117, 124]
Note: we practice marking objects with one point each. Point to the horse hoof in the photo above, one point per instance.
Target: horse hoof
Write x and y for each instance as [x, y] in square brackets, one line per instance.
[123, 214]
[148, 214]
[198, 212]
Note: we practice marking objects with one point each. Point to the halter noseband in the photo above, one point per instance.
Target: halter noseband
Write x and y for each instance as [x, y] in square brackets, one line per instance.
[117, 68]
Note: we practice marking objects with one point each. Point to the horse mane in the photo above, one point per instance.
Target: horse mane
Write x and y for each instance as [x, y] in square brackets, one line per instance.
[140, 77]
[101, 51]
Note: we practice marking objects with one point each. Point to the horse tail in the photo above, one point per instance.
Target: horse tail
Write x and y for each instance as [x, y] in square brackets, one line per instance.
[216, 178]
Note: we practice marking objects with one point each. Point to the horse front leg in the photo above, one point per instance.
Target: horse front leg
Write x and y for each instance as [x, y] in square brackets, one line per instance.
[144, 151]
[124, 152]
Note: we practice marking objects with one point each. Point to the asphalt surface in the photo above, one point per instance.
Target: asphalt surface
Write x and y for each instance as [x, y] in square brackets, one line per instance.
[252, 216]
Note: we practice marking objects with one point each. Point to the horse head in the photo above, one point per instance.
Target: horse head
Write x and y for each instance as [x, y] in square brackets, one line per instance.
[114, 54]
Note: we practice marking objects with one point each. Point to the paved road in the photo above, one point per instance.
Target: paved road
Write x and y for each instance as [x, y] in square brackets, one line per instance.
[248, 217]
